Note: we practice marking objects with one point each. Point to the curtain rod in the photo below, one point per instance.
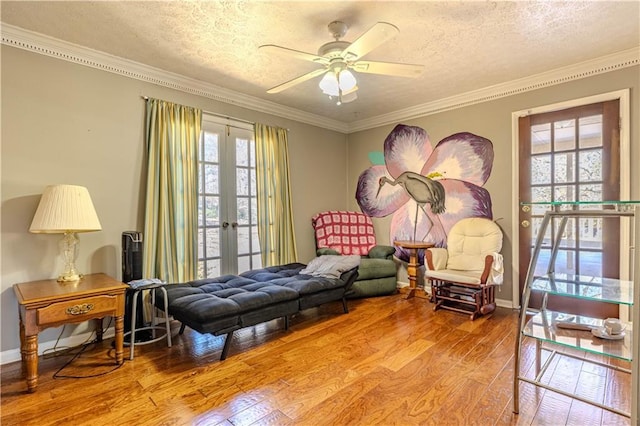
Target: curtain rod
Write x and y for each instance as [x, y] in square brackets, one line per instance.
[219, 115]
[222, 116]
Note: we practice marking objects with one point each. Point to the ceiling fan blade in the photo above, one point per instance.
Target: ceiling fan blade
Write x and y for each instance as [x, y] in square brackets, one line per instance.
[297, 80]
[388, 68]
[372, 38]
[272, 48]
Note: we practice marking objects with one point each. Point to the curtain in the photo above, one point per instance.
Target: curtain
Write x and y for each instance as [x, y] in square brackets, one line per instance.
[275, 212]
[171, 208]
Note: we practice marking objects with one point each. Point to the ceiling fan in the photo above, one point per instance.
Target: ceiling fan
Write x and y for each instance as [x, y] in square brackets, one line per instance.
[338, 57]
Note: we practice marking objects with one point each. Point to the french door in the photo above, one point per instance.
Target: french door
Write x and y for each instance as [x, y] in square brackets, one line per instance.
[227, 205]
[571, 155]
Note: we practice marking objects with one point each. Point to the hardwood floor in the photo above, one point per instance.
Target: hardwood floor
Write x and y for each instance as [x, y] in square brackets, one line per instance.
[389, 361]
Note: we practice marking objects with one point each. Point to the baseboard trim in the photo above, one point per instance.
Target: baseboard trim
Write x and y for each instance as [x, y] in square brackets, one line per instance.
[13, 355]
[504, 303]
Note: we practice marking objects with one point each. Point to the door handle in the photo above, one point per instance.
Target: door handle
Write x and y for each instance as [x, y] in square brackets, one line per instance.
[225, 224]
[525, 223]
[234, 225]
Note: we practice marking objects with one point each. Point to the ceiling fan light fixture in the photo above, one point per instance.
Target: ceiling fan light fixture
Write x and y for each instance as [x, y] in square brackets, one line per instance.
[329, 84]
[334, 83]
[346, 80]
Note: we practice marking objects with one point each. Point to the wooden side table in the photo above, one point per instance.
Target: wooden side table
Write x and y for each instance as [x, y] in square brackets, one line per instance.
[412, 266]
[49, 303]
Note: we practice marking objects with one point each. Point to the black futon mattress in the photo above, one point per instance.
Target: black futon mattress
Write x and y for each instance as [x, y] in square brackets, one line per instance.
[230, 302]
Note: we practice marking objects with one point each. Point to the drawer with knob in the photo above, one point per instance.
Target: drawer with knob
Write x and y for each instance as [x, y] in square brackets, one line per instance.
[76, 310]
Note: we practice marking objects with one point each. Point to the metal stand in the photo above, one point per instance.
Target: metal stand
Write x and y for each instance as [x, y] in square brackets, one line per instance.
[153, 327]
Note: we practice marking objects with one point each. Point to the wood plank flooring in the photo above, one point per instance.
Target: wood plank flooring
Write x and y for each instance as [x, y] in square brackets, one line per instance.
[389, 361]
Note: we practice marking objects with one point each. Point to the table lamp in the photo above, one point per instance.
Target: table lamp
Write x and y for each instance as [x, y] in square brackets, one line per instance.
[66, 209]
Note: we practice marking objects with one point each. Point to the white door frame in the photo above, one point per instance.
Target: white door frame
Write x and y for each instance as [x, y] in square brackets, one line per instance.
[625, 170]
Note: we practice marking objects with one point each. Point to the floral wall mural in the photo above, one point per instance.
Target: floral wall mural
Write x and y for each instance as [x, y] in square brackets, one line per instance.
[426, 189]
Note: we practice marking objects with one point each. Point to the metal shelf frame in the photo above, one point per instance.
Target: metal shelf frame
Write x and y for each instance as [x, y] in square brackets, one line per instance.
[564, 211]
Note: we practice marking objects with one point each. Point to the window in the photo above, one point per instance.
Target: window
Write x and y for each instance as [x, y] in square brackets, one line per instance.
[227, 204]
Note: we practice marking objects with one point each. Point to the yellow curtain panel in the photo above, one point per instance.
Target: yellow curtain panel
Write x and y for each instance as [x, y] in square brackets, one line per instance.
[171, 208]
[275, 212]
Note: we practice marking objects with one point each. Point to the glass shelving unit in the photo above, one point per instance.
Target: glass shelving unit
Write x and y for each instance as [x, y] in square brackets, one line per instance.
[549, 328]
[585, 287]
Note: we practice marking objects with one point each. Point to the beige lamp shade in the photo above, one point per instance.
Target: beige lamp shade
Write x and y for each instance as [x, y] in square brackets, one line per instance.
[65, 208]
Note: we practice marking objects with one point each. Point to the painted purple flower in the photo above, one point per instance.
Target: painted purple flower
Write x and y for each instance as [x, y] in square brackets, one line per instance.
[427, 190]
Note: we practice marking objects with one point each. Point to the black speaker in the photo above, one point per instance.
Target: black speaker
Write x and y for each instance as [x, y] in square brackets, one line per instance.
[132, 270]
[131, 256]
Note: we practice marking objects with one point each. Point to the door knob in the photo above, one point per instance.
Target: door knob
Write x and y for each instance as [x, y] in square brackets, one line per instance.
[234, 225]
[525, 223]
[225, 225]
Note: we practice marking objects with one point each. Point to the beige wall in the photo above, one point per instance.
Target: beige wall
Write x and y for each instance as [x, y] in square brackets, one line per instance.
[492, 120]
[66, 123]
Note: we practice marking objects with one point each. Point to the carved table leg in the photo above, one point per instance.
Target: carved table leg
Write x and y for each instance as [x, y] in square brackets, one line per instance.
[412, 272]
[119, 339]
[23, 349]
[30, 358]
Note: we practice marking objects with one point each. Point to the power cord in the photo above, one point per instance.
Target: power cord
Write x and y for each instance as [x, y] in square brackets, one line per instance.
[65, 350]
[57, 374]
[56, 351]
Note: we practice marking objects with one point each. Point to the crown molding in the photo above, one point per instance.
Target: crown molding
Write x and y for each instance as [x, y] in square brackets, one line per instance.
[49, 46]
[604, 64]
[45, 45]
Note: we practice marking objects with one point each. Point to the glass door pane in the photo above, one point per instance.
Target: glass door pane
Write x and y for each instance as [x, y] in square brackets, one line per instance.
[227, 225]
[209, 236]
[571, 155]
[246, 207]
[570, 171]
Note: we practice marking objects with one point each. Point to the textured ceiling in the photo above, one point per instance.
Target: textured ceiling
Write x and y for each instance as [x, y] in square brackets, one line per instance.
[464, 45]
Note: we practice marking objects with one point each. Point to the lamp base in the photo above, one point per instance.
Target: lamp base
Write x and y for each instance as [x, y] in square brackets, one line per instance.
[69, 251]
[67, 278]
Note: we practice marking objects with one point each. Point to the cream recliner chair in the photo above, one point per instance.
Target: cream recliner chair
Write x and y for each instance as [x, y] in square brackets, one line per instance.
[463, 276]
